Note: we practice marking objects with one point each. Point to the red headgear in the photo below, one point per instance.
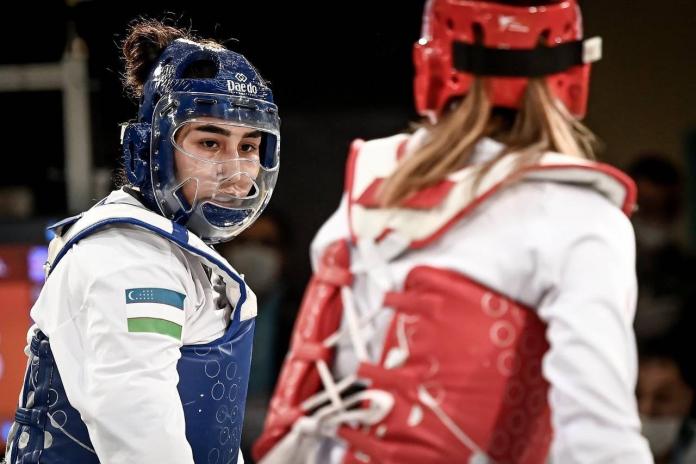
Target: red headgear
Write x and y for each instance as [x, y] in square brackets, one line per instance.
[466, 38]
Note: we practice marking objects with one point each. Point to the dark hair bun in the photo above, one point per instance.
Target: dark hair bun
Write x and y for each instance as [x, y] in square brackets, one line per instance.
[145, 42]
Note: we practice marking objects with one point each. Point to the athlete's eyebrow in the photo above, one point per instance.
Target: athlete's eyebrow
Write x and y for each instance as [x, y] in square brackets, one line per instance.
[214, 129]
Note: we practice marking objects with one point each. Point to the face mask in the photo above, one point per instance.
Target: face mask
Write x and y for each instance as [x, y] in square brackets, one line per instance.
[259, 263]
[661, 433]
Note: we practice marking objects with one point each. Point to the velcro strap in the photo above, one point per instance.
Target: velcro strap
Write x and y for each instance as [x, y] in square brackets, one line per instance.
[31, 458]
[31, 416]
[537, 62]
[40, 345]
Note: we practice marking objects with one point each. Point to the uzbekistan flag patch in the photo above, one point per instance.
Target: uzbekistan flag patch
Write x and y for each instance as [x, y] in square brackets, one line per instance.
[155, 310]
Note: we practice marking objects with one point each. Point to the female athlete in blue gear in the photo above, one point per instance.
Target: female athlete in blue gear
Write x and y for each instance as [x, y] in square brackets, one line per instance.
[134, 356]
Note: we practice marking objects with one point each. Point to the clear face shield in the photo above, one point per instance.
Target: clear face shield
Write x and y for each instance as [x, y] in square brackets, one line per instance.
[214, 161]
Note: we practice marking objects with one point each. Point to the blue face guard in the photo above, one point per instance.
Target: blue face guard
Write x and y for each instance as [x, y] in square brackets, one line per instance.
[214, 160]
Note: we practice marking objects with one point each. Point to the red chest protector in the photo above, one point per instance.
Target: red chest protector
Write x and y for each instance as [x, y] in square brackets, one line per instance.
[461, 362]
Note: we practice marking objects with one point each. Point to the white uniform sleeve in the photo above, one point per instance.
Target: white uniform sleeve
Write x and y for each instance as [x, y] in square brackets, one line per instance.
[589, 308]
[131, 406]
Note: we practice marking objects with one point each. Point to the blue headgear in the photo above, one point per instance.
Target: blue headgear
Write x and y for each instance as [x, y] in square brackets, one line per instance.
[235, 96]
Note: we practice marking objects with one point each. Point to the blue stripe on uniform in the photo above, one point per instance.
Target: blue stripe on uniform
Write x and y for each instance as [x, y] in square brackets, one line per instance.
[155, 295]
[180, 232]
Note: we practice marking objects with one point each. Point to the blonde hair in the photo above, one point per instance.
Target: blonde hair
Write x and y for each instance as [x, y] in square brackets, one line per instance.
[541, 124]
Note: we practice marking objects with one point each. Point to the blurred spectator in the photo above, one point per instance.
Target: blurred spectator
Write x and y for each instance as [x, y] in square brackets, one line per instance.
[662, 262]
[16, 202]
[260, 253]
[665, 395]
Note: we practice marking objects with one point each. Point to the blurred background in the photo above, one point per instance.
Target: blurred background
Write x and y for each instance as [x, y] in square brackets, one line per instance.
[339, 71]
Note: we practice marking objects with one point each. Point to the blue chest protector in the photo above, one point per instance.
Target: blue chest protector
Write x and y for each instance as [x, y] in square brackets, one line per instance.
[212, 385]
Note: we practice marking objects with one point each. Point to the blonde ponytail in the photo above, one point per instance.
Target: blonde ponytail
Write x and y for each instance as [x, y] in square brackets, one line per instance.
[542, 124]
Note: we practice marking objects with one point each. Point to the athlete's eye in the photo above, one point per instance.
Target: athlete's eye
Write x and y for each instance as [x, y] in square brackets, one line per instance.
[248, 148]
[209, 144]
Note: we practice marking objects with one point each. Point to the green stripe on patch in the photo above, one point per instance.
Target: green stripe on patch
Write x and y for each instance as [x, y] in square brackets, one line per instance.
[155, 295]
[153, 325]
